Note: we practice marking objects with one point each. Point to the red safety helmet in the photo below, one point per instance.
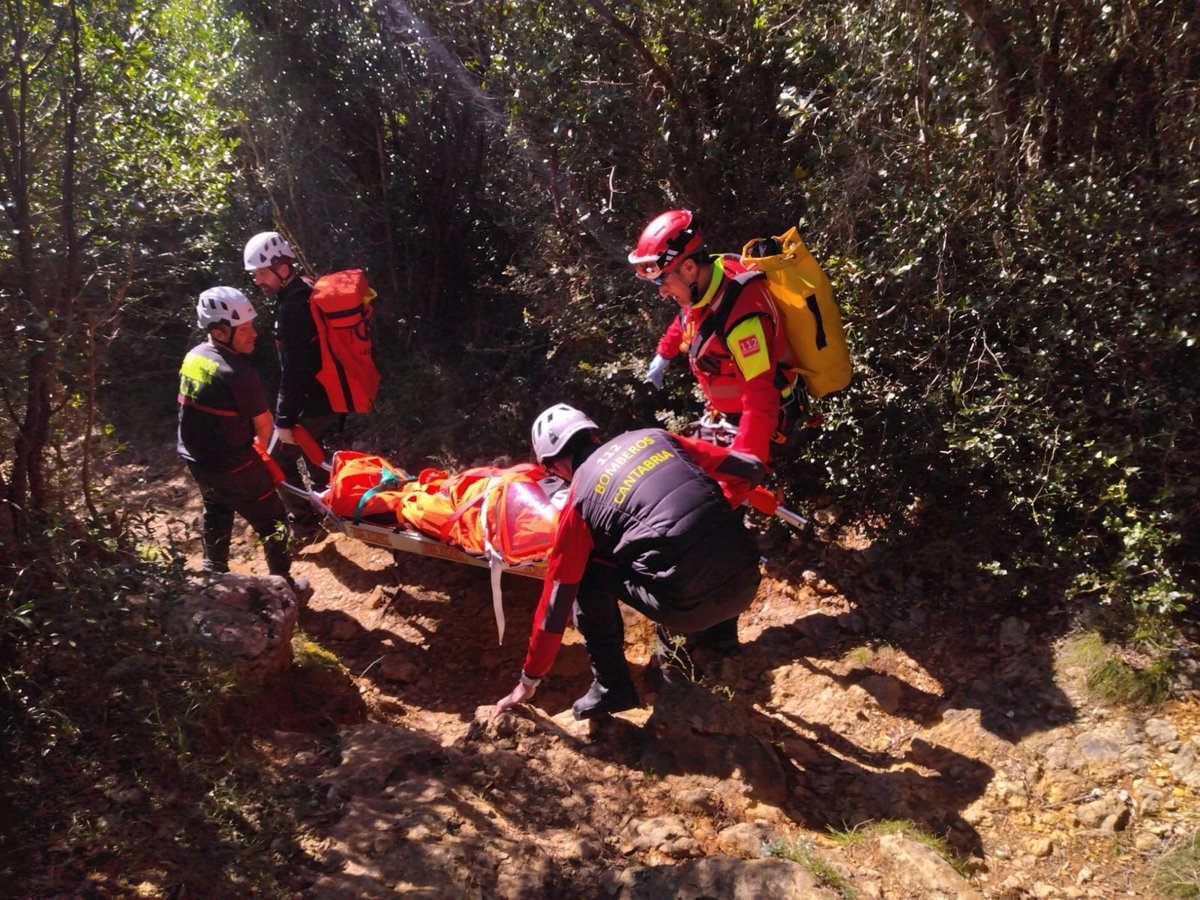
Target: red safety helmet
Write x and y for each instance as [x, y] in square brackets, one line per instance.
[665, 243]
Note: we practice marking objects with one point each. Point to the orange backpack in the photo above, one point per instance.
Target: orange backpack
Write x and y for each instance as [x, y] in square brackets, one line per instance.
[341, 308]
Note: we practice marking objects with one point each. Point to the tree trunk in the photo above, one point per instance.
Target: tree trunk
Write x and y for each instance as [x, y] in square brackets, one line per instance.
[1009, 89]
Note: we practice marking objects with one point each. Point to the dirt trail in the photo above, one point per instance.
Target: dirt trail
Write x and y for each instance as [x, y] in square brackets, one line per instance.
[852, 701]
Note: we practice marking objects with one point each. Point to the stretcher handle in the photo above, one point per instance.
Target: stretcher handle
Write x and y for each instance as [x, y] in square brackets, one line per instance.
[311, 496]
[766, 502]
[310, 448]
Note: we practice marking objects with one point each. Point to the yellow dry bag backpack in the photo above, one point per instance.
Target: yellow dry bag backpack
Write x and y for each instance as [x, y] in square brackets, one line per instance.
[805, 300]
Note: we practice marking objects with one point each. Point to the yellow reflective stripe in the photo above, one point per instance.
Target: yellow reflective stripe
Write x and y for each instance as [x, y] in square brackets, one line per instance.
[747, 345]
[195, 372]
[718, 275]
[198, 368]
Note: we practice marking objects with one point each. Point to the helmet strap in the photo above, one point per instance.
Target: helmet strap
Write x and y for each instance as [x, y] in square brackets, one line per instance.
[227, 342]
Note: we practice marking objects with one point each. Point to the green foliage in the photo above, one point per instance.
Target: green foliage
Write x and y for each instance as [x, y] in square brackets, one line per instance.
[1118, 675]
[108, 725]
[1018, 304]
[1016, 285]
[165, 138]
[117, 160]
[1006, 203]
[1119, 682]
[1006, 207]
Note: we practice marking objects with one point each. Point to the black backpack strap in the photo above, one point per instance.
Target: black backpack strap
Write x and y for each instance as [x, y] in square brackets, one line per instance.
[815, 309]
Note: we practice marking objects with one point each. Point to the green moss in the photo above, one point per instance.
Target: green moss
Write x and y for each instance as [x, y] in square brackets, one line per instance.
[1118, 682]
[1177, 874]
[1111, 677]
[910, 830]
[806, 854]
[307, 654]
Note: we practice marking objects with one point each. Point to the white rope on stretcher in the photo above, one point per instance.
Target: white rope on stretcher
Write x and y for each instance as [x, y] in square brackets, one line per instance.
[494, 557]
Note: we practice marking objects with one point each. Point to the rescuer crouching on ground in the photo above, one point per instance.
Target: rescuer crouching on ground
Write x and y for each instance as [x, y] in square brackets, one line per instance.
[648, 522]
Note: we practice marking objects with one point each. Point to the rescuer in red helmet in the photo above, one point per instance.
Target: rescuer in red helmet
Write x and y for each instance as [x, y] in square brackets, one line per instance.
[729, 328]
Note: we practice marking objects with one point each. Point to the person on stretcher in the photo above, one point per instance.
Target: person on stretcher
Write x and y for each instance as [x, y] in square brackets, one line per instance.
[507, 513]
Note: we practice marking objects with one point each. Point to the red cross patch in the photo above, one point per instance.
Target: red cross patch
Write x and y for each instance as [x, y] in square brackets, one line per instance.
[748, 346]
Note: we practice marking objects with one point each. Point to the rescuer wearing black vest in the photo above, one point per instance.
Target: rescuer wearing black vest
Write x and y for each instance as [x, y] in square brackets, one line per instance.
[647, 523]
[301, 399]
[222, 409]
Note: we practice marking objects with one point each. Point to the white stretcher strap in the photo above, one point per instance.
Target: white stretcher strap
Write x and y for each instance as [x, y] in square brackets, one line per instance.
[497, 569]
[494, 557]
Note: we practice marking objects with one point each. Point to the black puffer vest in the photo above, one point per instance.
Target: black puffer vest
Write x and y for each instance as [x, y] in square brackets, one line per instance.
[653, 511]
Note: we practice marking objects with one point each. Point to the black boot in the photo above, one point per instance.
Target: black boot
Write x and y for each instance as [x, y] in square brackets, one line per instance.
[603, 631]
[602, 701]
[216, 537]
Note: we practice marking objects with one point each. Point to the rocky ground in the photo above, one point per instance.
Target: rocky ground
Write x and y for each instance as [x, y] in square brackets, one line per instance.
[856, 719]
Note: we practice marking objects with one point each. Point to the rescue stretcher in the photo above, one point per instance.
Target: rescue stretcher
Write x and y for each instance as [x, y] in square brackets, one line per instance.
[400, 539]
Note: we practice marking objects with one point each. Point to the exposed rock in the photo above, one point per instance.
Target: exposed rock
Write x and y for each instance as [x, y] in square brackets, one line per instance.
[922, 872]
[717, 876]
[398, 668]
[886, 691]
[249, 618]
[1040, 847]
[1160, 731]
[746, 839]
[1061, 755]
[822, 629]
[696, 800]
[1183, 766]
[1104, 743]
[1146, 842]
[694, 731]
[406, 827]
[373, 755]
[667, 835]
[1109, 813]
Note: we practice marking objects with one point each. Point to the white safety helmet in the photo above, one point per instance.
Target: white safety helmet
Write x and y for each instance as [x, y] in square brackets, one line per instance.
[555, 427]
[265, 248]
[223, 306]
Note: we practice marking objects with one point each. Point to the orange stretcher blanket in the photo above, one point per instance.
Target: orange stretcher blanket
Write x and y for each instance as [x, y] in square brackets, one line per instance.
[500, 513]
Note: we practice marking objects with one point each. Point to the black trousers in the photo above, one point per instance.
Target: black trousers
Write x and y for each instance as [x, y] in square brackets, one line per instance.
[248, 491]
[709, 612]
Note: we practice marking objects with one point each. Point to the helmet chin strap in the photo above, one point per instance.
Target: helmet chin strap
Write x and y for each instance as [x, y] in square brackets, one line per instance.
[694, 292]
[288, 272]
[228, 345]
